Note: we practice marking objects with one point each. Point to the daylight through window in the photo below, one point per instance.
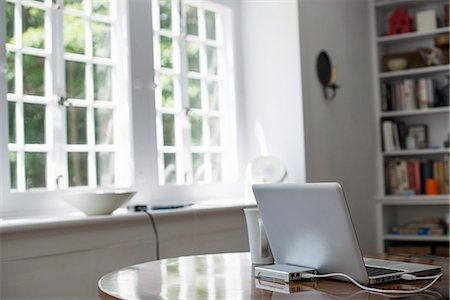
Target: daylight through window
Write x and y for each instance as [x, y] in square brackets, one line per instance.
[193, 102]
[62, 100]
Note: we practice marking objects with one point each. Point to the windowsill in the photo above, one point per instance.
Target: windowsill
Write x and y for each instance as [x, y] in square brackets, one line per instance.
[16, 224]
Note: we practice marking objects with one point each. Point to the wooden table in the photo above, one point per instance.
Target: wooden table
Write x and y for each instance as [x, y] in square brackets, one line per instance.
[230, 276]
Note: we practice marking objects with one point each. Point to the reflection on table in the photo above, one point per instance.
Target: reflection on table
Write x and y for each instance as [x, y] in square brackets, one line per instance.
[230, 276]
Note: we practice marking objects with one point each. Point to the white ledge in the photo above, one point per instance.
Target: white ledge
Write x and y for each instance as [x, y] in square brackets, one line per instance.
[15, 225]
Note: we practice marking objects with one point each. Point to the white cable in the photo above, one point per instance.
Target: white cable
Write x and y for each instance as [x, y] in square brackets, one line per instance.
[435, 278]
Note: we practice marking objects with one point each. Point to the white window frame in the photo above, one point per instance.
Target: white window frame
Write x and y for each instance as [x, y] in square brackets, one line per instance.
[183, 150]
[46, 200]
[147, 180]
[137, 73]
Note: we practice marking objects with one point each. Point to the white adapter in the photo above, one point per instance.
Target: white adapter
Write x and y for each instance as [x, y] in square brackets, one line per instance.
[282, 273]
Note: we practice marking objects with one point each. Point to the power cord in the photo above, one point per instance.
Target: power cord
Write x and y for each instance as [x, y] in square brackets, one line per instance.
[155, 230]
[404, 276]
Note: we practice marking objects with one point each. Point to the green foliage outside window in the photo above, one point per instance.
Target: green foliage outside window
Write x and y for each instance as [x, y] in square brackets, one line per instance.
[33, 35]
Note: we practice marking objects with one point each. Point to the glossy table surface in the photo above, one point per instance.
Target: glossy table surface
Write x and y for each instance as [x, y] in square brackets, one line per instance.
[230, 276]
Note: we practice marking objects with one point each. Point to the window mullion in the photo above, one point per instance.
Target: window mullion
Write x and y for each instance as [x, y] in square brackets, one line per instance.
[184, 165]
[59, 156]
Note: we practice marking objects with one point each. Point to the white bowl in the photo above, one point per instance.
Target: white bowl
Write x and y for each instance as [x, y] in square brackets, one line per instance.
[97, 202]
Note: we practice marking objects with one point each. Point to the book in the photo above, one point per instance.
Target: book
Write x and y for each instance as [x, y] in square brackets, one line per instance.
[402, 134]
[446, 182]
[384, 104]
[430, 91]
[417, 177]
[426, 172]
[396, 137]
[408, 94]
[410, 170]
[388, 138]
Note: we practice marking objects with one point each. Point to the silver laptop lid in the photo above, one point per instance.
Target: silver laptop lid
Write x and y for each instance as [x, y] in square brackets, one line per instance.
[310, 225]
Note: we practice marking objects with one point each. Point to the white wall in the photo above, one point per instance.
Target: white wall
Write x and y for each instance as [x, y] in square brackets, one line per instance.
[340, 133]
[272, 81]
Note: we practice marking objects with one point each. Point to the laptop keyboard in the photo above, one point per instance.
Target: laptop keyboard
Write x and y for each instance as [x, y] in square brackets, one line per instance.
[372, 271]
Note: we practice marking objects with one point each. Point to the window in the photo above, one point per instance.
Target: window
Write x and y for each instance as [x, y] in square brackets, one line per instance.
[194, 119]
[64, 103]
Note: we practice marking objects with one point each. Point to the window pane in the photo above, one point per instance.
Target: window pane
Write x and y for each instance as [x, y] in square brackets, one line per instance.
[34, 119]
[214, 131]
[166, 51]
[10, 57]
[165, 14]
[74, 34]
[33, 27]
[35, 169]
[10, 23]
[104, 127]
[216, 165]
[213, 95]
[167, 91]
[168, 129]
[13, 169]
[170, 168]
[75, 79]
[78, 168]
[101, 38]
[33, 75]
[76, 125]
[211, 56]
[105, 169]
[194, 93]
[102, 82]
[193, 57]
[196, 131]
[100, 7]
[192, 20]
[74, 4]
[210, 22]
[12, 121]
[198, 163]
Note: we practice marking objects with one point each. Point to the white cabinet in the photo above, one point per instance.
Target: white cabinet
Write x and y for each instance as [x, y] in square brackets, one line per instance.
[412, 110]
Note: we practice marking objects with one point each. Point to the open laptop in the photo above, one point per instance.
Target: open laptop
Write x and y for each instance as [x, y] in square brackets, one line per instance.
[310, 225]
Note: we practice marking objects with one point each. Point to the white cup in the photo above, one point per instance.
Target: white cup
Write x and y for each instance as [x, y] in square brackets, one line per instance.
[257, 238]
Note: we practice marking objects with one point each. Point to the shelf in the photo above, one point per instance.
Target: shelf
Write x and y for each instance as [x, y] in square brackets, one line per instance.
[425, 238]
[406, 3]
[415, 71]
[414, 200]
[416, 112]
[411, 36]
[417, 152]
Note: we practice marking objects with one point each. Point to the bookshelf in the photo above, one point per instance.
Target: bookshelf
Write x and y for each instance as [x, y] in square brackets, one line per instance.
[409, 101]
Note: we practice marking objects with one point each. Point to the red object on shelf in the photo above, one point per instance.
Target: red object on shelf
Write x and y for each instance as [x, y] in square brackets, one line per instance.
[432, 186]
[400, 21]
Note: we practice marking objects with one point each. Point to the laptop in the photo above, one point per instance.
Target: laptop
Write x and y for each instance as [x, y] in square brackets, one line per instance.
[309, 225]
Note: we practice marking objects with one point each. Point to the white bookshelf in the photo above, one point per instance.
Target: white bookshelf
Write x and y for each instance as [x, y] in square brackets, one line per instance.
[414, 200]
[416, 112]
[417, 152]
[396, 210]
[415, 72]
[416, 238]
[411, 36]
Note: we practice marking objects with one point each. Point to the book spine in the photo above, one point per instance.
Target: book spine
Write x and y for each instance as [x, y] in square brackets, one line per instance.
[384, 105]
[446, 188]
[417, 177]
[410, 171]
[430, 92]
[427, 172]
[393, 177]
[388, 138]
